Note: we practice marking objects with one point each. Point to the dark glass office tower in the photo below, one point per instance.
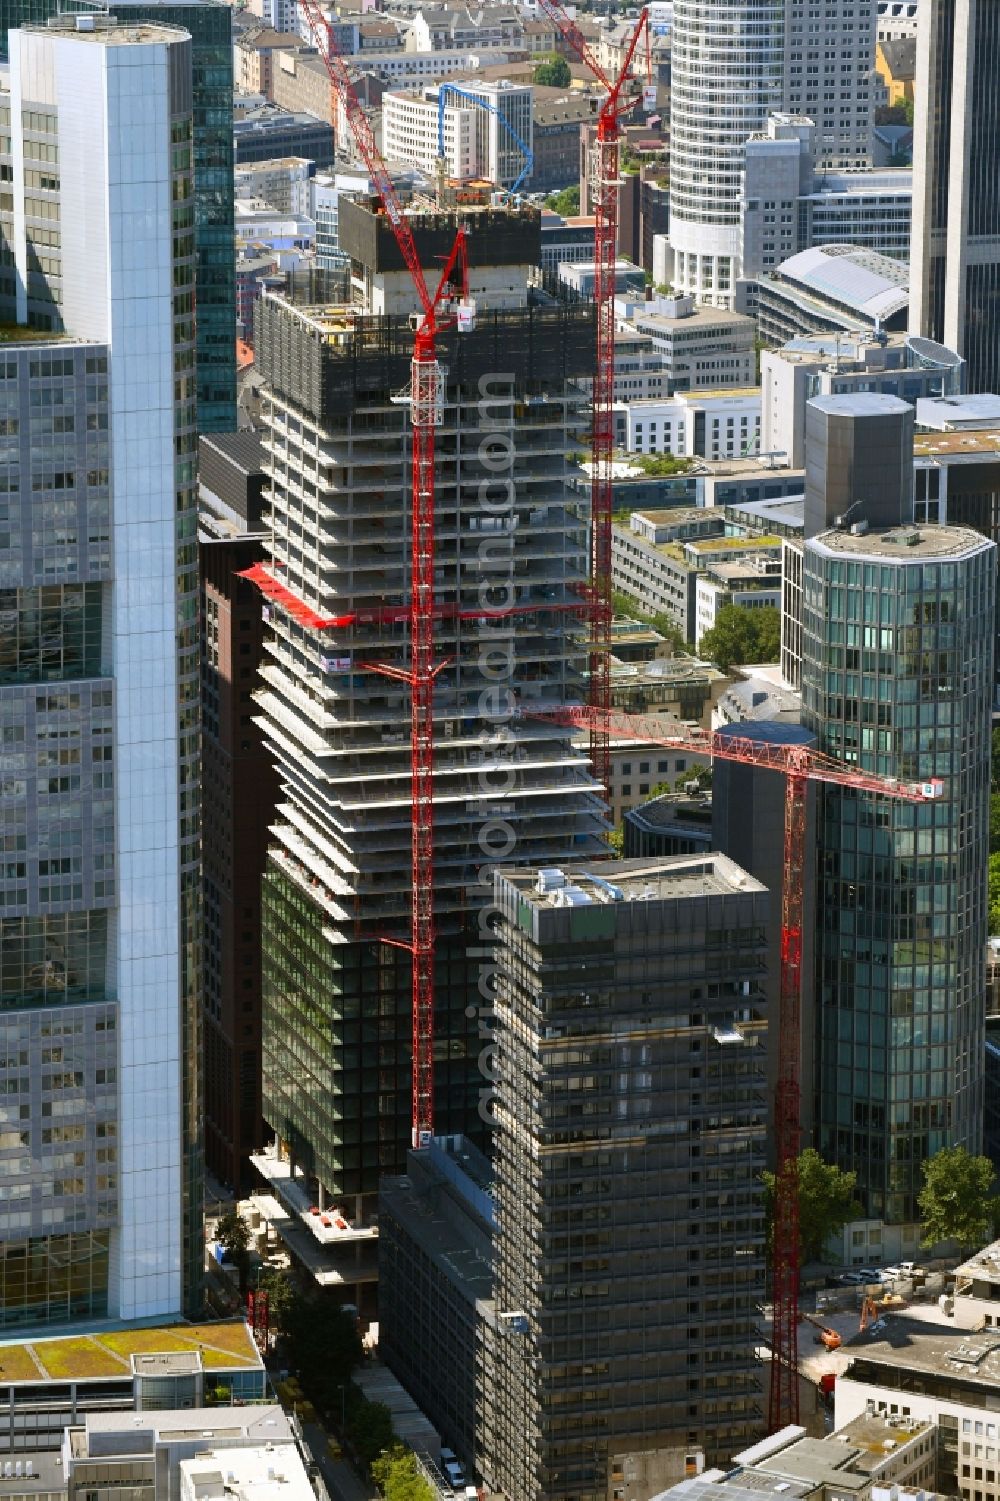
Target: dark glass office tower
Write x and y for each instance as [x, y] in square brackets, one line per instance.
[631, 1118]
[897, 661]
[210, 26]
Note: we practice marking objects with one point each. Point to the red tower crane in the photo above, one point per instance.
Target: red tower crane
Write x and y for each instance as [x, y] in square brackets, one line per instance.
[605, 256]
[426, 404]
[799, 765]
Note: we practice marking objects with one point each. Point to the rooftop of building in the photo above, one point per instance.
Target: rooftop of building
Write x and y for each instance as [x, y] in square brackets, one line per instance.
[667, 879]
[944, 413]
[267, 1424]
[871, 1433]
[680, 515]
[745, 570]
[691, 552]
[442, 1224]
[75, 1357]
[903, 544]
[915, 1344]
[39, 1474]
[984, 1266]
[552, 106]
[673, 809]
[900, 58]
[243, 449]
[757, 699]
[624, 630]
[19, 333]
[818, 1462]
[874, 184]
[105, 31]
[666, 670]
[260, 38]
[710, 546]
[275, 164]
[787, 510]
[863, 348]
[248, 1473]
[861, 404]
[691, 398]
[167, 1363]
[851, 275]
[967, 444]
[703, 318]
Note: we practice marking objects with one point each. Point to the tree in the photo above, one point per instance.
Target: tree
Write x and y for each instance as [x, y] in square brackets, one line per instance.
[956, 1201]
[826, 1202]
[740, 635]
[324, 1345]
[282, 1294]
[369, 1427]
[233, 1234]
[660, 465]
[397, 1477]
[566, 202]
[553, 74]
[624, 604]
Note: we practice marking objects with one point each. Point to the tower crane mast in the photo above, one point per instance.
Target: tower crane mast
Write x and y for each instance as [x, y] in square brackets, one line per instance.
[800, 765]
[616, 104]
[426, 406]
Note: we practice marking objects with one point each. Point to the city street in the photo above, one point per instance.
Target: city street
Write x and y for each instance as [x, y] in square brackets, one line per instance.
[342, 1482]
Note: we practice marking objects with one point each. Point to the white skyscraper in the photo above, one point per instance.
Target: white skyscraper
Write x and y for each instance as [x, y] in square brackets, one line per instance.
[99, 978]
[732, 63]
[726, 77]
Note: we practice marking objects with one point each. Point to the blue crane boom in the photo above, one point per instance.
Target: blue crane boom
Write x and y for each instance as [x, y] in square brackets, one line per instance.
[529, 157]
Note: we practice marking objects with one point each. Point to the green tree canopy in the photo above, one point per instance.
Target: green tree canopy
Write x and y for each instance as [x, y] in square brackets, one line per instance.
[624, 604]
[397, 1477]
[369, 1427]
[233, 1234]
[740, 635]
[956, 1201]
[324, 1345]
[554, 73]
[660, 465]
[566, 202]
[826, 1202]
[282, 1294]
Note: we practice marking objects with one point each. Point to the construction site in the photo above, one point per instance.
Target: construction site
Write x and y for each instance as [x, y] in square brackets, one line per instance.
[510, 571]
[439, 605]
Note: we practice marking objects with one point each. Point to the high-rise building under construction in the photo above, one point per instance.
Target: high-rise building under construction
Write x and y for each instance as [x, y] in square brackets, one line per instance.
[511, 567]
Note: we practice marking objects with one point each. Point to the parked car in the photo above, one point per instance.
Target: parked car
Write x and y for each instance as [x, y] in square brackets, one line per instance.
[869, 1274]
[850, 1279]
[890, 1273]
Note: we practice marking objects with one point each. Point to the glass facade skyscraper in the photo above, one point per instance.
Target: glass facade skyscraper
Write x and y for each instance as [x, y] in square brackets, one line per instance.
[210, 26]
[955, 238]
[897, 661]
[100, 886]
